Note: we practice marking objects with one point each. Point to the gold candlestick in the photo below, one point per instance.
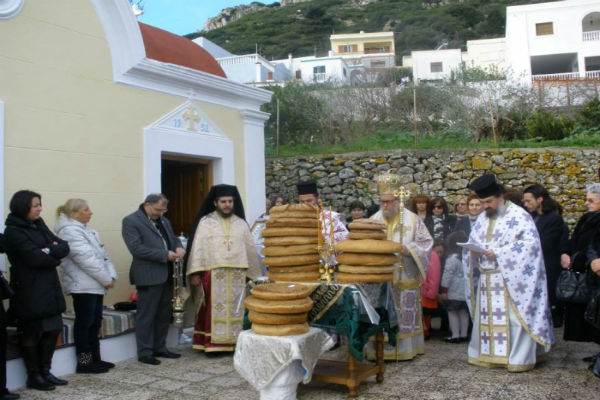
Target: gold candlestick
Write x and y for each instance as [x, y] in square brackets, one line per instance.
[325, 247]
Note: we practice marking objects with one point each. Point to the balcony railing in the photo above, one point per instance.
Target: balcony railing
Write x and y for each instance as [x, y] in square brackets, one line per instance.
[567, 76]
[320, 77]
[591, 35]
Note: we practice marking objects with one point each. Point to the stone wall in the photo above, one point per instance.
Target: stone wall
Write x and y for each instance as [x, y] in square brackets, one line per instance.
[344, 178]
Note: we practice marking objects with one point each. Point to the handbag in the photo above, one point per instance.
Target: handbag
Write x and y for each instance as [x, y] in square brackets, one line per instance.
[6, 291]
[572, 287]
[592, 311]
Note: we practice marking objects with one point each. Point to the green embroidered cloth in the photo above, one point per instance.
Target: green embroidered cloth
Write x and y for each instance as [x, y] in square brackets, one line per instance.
[348, 311]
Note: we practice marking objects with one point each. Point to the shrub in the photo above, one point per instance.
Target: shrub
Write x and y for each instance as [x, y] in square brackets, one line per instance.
[544, 125]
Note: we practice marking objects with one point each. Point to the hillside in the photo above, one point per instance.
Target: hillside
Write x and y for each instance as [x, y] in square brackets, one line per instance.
[304, 28]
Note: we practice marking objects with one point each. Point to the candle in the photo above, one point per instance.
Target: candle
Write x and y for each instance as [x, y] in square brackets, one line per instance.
[330, 227]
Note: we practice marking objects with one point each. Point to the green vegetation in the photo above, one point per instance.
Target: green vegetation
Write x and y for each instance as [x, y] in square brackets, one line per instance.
[303, 29]
[438, 140]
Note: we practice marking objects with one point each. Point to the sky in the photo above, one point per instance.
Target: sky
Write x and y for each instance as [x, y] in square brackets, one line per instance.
[183, 16]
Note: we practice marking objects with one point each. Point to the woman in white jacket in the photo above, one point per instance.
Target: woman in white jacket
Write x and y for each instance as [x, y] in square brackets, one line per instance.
[86, 274]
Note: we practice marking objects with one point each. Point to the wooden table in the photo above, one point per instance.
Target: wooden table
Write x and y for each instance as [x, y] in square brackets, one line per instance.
[351, 373]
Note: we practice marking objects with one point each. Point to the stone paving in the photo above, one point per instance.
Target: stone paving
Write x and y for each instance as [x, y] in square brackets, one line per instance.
[442, 373]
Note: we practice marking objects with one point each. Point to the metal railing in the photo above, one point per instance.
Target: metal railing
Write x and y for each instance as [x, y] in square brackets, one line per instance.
[567, 76]
[320, 77]
[591, 35]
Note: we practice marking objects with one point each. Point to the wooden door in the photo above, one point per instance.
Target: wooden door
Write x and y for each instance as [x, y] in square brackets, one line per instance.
[185, 182]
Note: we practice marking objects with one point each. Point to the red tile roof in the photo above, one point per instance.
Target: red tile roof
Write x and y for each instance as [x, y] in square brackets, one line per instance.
[170, 48]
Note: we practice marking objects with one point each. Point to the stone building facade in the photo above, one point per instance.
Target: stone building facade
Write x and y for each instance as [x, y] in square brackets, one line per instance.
[344, 178]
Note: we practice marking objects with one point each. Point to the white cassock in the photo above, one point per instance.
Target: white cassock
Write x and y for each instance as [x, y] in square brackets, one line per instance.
[407, 285]
[508, 298]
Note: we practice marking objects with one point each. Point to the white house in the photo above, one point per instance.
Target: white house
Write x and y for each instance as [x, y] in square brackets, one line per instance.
[487, 54]
[435, 65]
[554, 41]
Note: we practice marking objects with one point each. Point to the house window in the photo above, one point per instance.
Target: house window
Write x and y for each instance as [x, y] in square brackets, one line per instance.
[298, 74]
[436, 67]
[269, 76]
[319, 70]
[348, 48]
[544, 28]
[319, 73]
[344, 71]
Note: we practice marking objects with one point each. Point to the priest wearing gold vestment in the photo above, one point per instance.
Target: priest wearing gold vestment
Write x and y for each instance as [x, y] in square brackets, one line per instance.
[222, 255]
[409, 230]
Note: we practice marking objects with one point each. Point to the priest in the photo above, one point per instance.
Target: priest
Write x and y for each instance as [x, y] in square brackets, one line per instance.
[333, 224]
[404, 227]
[506, 284]
[222, 255]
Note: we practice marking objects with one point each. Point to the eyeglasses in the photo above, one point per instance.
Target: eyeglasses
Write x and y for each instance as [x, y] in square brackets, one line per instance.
[160, 210]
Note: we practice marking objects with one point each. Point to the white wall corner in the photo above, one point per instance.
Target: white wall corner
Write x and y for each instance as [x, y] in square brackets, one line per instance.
[254, 152]
[2, 259]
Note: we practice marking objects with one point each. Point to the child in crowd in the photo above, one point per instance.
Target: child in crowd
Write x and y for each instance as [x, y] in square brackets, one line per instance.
[453, 289]
[429, 291]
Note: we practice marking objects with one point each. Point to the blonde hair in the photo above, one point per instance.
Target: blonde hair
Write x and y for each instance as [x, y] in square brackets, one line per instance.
[71, 206]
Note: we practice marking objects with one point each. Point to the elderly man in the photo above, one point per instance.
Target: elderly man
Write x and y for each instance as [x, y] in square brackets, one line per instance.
[506, 286]
[404, 227]
[153, 245]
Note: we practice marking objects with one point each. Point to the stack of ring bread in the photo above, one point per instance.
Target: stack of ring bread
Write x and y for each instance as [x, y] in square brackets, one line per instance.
[366, 257]
[290, 245]
[279, 309]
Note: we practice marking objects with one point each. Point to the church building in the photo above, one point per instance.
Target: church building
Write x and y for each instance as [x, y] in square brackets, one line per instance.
[98, 106]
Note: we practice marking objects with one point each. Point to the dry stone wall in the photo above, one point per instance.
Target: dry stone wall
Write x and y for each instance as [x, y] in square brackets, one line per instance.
[344, 178]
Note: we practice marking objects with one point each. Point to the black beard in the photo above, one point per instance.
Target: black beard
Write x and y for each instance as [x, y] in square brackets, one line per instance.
[491, 213]
[223, 215]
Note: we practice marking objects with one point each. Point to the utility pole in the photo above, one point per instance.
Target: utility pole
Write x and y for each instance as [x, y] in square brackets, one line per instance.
[415, 116]
[277, 137]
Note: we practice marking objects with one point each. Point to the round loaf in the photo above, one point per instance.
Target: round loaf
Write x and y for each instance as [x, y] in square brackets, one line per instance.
[367, 224]
[290, 240]
[369, 246]
[295, 214]
[276, 319]
[298, 259]
[295, 268]
[292, 207]
[290, 250]
[280, 291]
[270, 232]
[366, 259]
[365, 234]
[308, 276]
[292, 222]
[359, 269]
[280, 330]
[295, 306]
[343, 277]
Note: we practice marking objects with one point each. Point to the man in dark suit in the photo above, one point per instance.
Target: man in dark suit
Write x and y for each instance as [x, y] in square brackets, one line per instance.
[546, 213]
[153, 245]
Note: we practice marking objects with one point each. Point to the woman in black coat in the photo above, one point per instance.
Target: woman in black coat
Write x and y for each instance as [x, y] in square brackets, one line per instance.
[34, 252]
[576, 256]
[438, 222]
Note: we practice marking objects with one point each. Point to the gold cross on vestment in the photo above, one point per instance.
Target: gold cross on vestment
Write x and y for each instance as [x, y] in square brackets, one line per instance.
[191, 115]
[402, 193]
[227, 242]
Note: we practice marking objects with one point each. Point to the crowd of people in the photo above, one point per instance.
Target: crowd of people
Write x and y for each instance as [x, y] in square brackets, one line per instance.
[488, 266]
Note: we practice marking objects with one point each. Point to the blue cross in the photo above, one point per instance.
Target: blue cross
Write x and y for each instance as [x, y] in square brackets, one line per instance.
[530, 310]
[512, 223]
[497, 235]
[517, 247]
[510, 264]
[500, 337]
[499, 314]
[485, 338]
[497, 289]
[521, 287]
[537, 293]
[529, 270]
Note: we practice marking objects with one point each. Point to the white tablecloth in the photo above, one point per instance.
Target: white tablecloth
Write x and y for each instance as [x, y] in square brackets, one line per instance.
[259, 358]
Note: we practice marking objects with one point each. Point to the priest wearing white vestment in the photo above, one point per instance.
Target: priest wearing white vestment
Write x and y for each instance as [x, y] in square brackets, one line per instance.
[222, 255]
[414, 261]
[506, 285]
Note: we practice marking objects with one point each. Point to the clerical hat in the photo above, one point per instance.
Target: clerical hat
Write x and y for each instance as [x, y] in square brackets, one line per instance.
[224, 190]
[307, 187]
[486, 186]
